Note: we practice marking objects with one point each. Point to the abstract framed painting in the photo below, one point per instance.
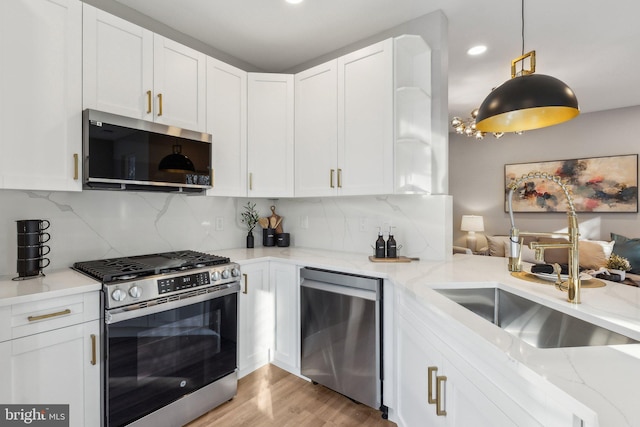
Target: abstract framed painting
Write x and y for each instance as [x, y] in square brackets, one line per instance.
[598, 184]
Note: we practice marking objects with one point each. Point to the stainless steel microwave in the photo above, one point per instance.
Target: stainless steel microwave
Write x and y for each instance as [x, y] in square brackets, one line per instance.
[122, 153]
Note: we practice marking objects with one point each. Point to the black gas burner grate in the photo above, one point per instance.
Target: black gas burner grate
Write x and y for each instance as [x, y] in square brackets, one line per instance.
[113, 269]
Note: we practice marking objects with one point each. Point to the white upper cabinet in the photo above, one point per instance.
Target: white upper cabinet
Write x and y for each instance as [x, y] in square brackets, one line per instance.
[227, 123]
[344, 125]
[270, 135]
[365, 120]
[179, 76]
[316, 131]
[118, 65]
[131, 71]
[40, 94]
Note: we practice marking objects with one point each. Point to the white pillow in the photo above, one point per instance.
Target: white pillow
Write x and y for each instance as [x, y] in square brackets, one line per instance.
[607, 247]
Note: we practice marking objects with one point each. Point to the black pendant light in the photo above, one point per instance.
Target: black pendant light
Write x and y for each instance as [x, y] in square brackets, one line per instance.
[527, 101]
[176, 162]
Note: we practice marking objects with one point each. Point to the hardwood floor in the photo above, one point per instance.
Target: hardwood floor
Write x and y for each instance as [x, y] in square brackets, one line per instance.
[272, 397]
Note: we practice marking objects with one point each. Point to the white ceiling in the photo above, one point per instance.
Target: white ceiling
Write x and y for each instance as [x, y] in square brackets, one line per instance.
[592, 45]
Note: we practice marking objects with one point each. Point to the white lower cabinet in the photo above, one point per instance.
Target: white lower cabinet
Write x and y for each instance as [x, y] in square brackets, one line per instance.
[58, 366]
[255, 305]
[284, 287]
[438, 387]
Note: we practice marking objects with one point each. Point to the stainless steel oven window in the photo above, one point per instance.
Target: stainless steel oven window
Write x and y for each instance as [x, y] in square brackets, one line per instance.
[157, 358]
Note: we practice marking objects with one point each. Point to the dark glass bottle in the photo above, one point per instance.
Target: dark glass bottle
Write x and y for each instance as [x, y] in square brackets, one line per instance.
[392, 248]
[380, 248]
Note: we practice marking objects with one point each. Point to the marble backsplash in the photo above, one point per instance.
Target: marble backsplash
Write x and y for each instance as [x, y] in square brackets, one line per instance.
[103, 224]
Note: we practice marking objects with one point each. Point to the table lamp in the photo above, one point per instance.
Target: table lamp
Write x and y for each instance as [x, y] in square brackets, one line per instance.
[471, 224]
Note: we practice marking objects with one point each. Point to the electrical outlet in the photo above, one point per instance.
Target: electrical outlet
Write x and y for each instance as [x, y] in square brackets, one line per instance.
[219, 223]
[363, 224]
[304, 222]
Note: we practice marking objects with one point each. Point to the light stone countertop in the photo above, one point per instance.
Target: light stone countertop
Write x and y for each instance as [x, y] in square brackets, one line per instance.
[604, 379]
[55, 283]
[599, 380]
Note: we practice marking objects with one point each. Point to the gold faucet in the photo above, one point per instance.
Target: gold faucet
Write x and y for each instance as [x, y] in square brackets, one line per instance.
[572, 285]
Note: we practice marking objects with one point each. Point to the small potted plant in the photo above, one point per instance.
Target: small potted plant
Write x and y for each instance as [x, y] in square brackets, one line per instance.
[618, 265]
[249, 217]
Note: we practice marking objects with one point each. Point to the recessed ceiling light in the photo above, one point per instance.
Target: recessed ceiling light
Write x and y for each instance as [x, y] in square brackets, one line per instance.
[294, 1]
[477, 50]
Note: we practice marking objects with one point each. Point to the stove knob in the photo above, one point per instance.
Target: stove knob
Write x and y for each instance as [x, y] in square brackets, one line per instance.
[225, 274]
[135, 291]
[215, 276]
[235, 272]
[119, 295]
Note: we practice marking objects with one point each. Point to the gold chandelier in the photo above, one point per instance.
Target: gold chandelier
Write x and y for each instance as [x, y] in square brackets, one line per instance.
[468, 127]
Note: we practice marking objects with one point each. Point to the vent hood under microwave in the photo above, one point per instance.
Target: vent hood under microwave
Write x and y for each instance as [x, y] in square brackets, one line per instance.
[122, 153]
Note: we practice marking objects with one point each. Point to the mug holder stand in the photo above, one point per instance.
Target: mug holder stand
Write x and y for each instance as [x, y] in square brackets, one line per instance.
[41, 274]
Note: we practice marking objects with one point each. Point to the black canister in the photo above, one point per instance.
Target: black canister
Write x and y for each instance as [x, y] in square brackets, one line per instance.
[282, 240]
[268, 237]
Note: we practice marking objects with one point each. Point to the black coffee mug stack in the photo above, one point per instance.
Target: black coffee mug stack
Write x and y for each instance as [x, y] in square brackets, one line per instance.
[31, 247]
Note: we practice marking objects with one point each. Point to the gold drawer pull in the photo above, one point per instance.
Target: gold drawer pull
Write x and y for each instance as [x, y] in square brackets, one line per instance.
[46, 316]
[333, 171]
[246, 283]
[75, 166]
[431, 370]
[250, 181]
[159, 104]
[339, 178]
[439, 395]
[93, 349]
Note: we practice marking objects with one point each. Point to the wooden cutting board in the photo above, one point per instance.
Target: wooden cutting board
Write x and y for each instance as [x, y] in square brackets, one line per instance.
[275, 220]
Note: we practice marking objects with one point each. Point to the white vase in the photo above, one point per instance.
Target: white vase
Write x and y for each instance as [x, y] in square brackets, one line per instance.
[619, 272]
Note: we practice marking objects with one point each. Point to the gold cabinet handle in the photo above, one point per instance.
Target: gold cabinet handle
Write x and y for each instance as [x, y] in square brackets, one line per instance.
[246, 283]
[250, 181]
[339, 178]
[440, 380]
[93, 349]
[159, 104]
[148, 102]
[75, 166]
[46, 316]
[333, 171]
[430, 397]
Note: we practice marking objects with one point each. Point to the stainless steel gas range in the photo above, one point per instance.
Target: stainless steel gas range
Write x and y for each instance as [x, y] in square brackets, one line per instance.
[170, 335]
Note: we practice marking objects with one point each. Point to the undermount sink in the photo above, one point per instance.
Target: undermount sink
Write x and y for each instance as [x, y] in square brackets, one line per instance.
[533, 323]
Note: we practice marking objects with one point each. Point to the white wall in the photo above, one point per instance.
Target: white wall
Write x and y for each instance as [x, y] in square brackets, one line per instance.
[476, 172]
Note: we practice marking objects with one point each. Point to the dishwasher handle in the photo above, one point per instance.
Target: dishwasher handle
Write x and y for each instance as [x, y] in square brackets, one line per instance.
[339, 289]
[341, 279]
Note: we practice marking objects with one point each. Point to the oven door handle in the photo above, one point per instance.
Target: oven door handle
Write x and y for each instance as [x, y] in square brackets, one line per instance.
[132, 311]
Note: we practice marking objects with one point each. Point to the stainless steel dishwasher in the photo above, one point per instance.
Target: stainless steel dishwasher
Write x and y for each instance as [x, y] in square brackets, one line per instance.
[341, 334]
